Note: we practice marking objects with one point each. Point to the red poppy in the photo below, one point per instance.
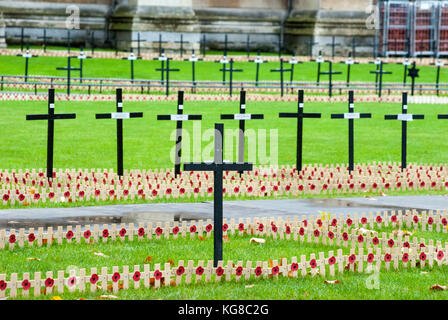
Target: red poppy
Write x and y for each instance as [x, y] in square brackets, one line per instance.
[440, 255]
[422, 245]
[36, 196]
[97, 192]
[387, 257]
[12, 238]
[49, 282]
[339, 186]
[67, 194]
[316, 233]
[398, 184]
[154, 192]
[302, 231]
[288, 229]
[5, 197]
[422, 256]
[71, 281]
[294, 266]
[393, 219]
[313, 263]
[21, 197]
[415, 219]
[105, 233]
[391, 243]
[444, 221]
[220, 271]
[31, 237]
[239, 271]
[406, 245]
[193, 229]
[370, 257]
[136, 277]
[352, 258]
[51, 195]
[275, 270]
[122, 232]
[94, 278]
[241, 227]
[3, 285]
[430, 220]
[411, 184]
[140, 192]
[360, 238]
[159, 231]
[334, 222]
[69, 234]
[305, 223]
[87, 234]
[379, 219]
[180, 271]
[274, 228]
[250, 189]
[330, 235]
[141, 232]
[375, 241]
[363, 220]
[26, 284]
[374, 185]
[81, 194]
[345, 236]
[157, 275]
[405, 257]
[115, 277]
[332, 261]
[349, 222]
[300, 188]
[208, 228]
[225, 227]
[260, 227]
[176, 230]
[199, 271]
[422, 184]
[325, 186]
[319, 222]
[126, 192]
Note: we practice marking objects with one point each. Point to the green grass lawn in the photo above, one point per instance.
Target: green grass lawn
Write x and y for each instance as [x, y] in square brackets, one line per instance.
[89, 143]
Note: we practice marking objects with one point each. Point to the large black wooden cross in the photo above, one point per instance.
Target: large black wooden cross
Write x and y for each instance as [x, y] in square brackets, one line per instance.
[181, 44]
[231, 71]
[22, 37]
[193, 61]
[351, 115]
[50, 117]
[439, 63]
[225, 42]
[292, 62]
[69, 69]
[406, 63]
[248, 43]
[218, 166]
[333, 45]
[179, 118]
[300, 115]
[379, 74]
[162, 58]
[413, 73]
[330, 74]
[131, 58]
[81, 57]
[319, 60]
[119, 116]
[242, 117]
[160, 44]
[404, 117]
[223, 61]
[44, 38]
[257, 61]
[27, 55]
[69, 40]
[354, 45]
[281, 70]
[349, 62]
[167, 70]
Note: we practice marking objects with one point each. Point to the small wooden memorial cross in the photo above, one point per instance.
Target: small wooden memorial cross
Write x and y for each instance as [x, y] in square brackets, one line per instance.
[333, 45]
[281, 70]
[330, 74]
[27, 55]
[439, 63]
[257, 61]
[162, 58]
[131, 58]
[404, 117]
[413, 73]
[22, 37]
[231, 71]
[81, 57]
[179, 118]
[218, 166]
[167, 70]
[69, 69]
[406, 63]
[44, 38]
[349, 62]
[50, 117]
[242, 117]
[379, 74]
[351, 116]
[193, 61]
[119, 116]
[300, 115]
[223, 61]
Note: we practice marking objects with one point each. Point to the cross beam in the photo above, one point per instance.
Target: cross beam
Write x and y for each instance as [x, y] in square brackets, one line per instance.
[69, 69]
[379, 74]
[218, 166]
[404, 117]
[50, 117]
[44, 38]
[330, 74]
[27, 55]
[179, 118]
[231, 71]
[167, 70]
[119, 116]
[281, 70]
[351, 116]
[300, 115]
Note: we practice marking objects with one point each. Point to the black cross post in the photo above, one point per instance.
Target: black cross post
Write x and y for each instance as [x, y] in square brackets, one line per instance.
[160, 44]
[181, 46]
[22, 37]
[319, 60]
[231, 71]
[167, 70]
[224, 53]
[138, 43]
[413, 73]
[330, 74]
[349, 62]
[69, 41]
[354, 45]
[69, 69]
[223, 61]
[204, 45]
[27, 55]
[351, 115]
[50, 117]
[333, 44]
[248, 43]
[179, 118]
[379, 74]
[257, 61]
[92, 42]
[404, 118]
[44, 38]
[193, 61]
[131, 58]
[281, 70]
[300, 115]
[162, 58]
[119, 116]
[310, 43]
[406, 63]
[81, 57]
[241, 117]
[292, 62]
[439, 63]
[218, 166]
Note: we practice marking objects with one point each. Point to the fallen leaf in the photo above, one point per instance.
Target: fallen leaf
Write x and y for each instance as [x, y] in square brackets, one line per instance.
[257, 240]
[111, 288]
[32, 259]
[249, 286]
[171, 262]
[44, 241]
[347, 267]
[107, 296]
[438, 287]
[202, 238]
[81, 299]
[56, 298]
[383, 194]
[331, 281]
[226, 238]
[290, 274]
[173, 283]
[148, 258]
[271, 264]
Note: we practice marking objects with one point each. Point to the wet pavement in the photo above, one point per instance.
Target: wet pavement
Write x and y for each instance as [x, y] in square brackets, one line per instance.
[155, 212]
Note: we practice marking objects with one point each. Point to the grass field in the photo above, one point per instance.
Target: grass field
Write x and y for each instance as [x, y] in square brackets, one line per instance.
[146, 70]
[89, 143]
